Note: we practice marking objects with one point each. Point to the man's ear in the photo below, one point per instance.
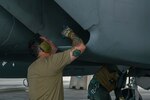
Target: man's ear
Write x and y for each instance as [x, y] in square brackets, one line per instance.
[45, 47]
[53, 46]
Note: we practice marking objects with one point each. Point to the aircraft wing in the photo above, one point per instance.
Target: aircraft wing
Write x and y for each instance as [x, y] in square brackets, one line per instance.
[114, 32]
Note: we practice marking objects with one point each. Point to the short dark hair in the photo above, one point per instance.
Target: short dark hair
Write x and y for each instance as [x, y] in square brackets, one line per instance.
[34, 44]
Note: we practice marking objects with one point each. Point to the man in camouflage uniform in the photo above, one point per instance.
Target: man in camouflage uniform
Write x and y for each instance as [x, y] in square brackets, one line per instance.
[103, 82]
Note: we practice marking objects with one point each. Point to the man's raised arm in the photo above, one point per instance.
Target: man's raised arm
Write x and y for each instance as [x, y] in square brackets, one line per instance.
[78, 46]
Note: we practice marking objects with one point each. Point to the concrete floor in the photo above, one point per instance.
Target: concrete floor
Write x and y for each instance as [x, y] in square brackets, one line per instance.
[13, 89]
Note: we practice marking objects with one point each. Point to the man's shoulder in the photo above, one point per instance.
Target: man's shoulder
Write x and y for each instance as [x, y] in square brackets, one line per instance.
[62, 58]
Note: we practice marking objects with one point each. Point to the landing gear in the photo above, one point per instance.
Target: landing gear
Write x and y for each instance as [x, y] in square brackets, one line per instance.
[131, 93]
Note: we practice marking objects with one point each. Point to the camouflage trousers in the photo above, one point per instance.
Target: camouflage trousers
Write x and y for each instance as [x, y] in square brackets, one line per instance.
[97, 92]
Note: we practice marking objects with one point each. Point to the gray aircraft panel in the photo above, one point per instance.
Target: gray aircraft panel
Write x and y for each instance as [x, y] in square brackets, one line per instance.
[121, 32]
[86, 14]
[44, 17]
[29, 15]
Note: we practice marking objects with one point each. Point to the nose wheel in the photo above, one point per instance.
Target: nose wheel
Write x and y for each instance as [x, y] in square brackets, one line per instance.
[131, 92]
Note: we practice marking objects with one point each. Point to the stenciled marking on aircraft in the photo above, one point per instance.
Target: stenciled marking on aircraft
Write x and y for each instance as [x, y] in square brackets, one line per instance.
[13, 64]
[4, 63]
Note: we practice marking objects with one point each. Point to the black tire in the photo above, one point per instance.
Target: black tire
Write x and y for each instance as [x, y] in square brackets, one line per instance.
[140, 98]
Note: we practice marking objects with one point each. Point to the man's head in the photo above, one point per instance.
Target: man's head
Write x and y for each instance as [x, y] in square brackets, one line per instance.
[41, 44]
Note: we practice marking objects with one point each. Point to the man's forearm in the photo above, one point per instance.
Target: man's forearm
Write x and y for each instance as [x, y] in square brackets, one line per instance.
[68, 32]
[78, 46]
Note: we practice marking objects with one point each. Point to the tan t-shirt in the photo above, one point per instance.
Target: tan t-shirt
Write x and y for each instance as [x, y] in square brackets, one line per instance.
[45, 77]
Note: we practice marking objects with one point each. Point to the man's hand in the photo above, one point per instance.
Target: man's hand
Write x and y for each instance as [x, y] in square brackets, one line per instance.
[67, 32]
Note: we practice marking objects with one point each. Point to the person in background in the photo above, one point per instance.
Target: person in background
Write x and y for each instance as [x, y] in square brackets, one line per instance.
[103, 82]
